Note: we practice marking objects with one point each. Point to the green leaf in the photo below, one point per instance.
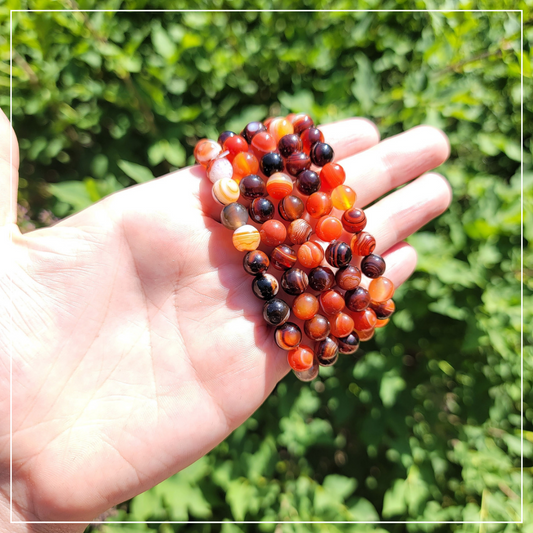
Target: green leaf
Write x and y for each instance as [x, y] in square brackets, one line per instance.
[242, 497]
[74, 193]
[394, 500]
[162, 43]
[363, 510]
[391, 385]
[136, 172]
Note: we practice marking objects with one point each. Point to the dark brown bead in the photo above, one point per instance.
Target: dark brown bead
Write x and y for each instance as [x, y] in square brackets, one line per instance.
[283, 257]
[297, 163]
[251, 130]
[276, 312]
[308, 182]
[290, 144]
[338, 254]
[261, 210]
[265, 286]
[302, 122]
[321, 278]
[309, 137]
[256, 262]
[383, 309]
[321, 154]
[348, 277]
[294, 281]
[291, 207]
[327, 351]
[373, 266]
[288, 336]
[348, 344]
[362, 244]
[354, 220]
[317, 328]
[252, 186]
[357, 299]
[299, 231]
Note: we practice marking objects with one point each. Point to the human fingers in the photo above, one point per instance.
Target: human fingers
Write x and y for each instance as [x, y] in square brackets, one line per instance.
[9, 165]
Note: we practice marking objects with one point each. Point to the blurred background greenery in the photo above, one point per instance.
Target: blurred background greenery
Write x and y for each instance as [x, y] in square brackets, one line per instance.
[426, 424]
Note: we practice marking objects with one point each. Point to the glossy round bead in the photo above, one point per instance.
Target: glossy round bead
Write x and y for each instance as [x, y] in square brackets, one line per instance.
[246, 238]
[276, 312]
[305, 306]
[327, 351]
[234, 216]
[338, 254]
[301, 122]
[348, 277]
[289, 144]
[331, 302]
[357, 299]
[251, 130]
[365, 335]
[218, 169]
[291, 207]
[310, 373]
[383, 309]
[225, 135]
[279, 127]
[261, 210]
[373, 266]
[354, 220]
[244, 164]
[363, 320]
[321, 154]
[343, 197]
[279, 185]
[341, 324]
[273, 232]
[256, 262]
[299, 231]
[268, 120]
[265, 286]
[381, 289]
[382, 323]
[348, 344]
[263, 143]
[294, 281]
[288, 336]
[308, 182]
[317, 328]
[310, 254]
[328, 228]
[332, 175]
[206, 150]
[234, 145]
[311, 136]
[283, 257]
[301, 358]
[271, 163]
[252, 186]
[362, 244]
[319, 204]
[226, 191]
[321, 278]
[296, 163]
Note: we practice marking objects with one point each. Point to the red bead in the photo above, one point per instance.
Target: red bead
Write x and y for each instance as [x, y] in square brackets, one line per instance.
[262, 144]
[234, 145]
[341, 324]
[319, 204]
[365, 335]
[305, 306]
[363, 320]
[362, 244]
[273, 232]
[381, 289]
[354, 220]
[309, 137]
[328, 228]
[301, 122]
[332, 175]
[310, 254]
[300, 358]
[331, 302]
[317, 328]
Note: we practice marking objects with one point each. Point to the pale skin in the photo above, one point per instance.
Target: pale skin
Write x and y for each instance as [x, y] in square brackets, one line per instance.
[136, 343]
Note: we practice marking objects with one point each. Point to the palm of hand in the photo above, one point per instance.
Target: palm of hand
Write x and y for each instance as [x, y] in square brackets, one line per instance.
[137, 346]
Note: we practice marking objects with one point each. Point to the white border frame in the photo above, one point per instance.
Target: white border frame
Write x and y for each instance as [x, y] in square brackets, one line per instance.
[13, 210]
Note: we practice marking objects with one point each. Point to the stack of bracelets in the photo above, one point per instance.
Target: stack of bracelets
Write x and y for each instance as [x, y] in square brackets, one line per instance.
[262, 165]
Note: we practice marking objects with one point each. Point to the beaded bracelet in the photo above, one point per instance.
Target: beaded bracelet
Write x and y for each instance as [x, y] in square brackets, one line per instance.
[265, 163]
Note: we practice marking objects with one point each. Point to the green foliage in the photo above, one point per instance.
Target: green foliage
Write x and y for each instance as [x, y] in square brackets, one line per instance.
[426, 425]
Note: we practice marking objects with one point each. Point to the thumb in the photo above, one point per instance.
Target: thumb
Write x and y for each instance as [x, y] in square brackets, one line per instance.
[9, 165]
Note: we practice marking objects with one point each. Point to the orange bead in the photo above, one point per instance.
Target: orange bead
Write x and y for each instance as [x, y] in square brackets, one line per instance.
[332, 175]
[206, 150]
[362, 244]
[310, 254]
[273, 232]
[235, 145]
[305, 306]
[300, 358]
[263, 143]
[319, 204]
[328, 228]
[299, 231]
[343, 197]
[279, 127]
[364, 320]
[279, 185]
[365, 335]
[331, 302]
[381, 289]
[341, 324]
[244, 164]
[381, 323]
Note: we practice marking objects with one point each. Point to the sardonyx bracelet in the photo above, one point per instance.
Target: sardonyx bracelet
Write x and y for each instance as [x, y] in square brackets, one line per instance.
[263, 166]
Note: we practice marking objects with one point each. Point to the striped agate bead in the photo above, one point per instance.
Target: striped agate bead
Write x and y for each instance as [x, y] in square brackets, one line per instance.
[279, 185]
[226, 191]
[246, 238]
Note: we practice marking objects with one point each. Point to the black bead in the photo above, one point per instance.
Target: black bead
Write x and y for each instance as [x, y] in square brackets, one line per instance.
[252, 129]
[252, 186]
[261, 210]
[225, 135]
[338, 254]
[373, 266]
[265, 286]
[276, 312]
[321, 153]
[321, 278]
[308, 182]
[256, 262]
[271, 163]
